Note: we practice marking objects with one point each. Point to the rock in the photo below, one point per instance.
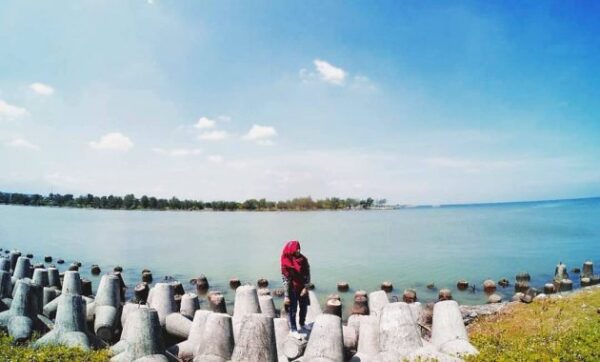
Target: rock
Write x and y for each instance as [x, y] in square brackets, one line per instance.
[527, 298]
[504, 282]
[539, 297]
[517, 297]
[494, 298]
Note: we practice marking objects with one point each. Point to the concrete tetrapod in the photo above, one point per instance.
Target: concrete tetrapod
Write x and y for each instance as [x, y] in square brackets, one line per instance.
[129, 308]
[398, 332]
[185, 350]
[22, 269]
[282, 330]
[40, 277]
[256, 341]
[216, 342]
[19, 319]
[107, 307]
[178, 325]
[292, 348]
[14, 255]
[449, 334]
[368, 341]
[50, 294]
[377, 301]
[162, 299]
[5, 264]
[246, 302]
[267, 307]
[5, 285]
[54, 278]
[313, 311]
[141, 338]
[189, 305]
[70, 325]
[326, 343]
[71, 285]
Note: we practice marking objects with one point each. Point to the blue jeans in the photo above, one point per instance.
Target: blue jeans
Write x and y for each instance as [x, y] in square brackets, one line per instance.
[296, 299]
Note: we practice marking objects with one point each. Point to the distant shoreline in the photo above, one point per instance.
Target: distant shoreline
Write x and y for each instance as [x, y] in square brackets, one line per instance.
[131, 202]
[304, 204]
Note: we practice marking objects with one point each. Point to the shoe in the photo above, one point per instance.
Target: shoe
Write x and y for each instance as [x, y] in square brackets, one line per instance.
[305, 329]
[296, 335]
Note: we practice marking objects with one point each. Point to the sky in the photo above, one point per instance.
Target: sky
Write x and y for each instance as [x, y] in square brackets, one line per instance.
[417, 102]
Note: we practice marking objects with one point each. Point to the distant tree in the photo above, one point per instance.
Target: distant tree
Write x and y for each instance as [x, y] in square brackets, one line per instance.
[251, 204]
[130, 202]
[144, 202]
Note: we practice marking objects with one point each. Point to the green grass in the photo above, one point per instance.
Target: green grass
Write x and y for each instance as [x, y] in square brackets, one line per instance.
[566, 329]
[23, 353]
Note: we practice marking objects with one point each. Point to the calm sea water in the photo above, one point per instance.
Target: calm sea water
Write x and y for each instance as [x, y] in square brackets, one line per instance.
[410, 247]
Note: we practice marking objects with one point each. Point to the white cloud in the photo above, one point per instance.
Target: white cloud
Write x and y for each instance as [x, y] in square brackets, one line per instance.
[114, 141]
[205, 123]
[178, 152]
[330, 73]
[42, 89]
[22, 143]
[213, 135]
[215, 158]
[10, 112]
[261, 134]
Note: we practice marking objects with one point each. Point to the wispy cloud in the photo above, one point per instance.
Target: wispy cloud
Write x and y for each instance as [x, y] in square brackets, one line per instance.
[216, 135]
[205, 123]
[114, 141]
[178, 152]
[42, 89]
[10, 112]
[23, 143]
[261, 134]
[330, 73]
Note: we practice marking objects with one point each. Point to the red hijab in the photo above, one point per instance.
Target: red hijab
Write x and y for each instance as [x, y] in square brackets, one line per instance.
[293, 267]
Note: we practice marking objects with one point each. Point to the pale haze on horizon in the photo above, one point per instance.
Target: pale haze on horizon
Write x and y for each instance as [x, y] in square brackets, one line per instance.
[416, 102]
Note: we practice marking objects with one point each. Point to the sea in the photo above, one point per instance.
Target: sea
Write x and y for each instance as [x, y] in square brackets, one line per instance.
[410, 247]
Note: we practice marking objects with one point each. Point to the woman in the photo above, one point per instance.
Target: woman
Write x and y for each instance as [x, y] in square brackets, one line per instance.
[295, 273]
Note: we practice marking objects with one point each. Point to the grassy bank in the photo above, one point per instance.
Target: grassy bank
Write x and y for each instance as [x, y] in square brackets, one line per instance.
[9, 352]
[566, 329]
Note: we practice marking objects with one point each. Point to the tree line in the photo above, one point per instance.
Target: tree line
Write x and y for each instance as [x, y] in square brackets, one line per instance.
[130, 202]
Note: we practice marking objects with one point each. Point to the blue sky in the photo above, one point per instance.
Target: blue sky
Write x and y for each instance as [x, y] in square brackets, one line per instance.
[416, 101]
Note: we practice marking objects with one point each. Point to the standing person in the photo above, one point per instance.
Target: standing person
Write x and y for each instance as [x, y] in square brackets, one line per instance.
[295, 272]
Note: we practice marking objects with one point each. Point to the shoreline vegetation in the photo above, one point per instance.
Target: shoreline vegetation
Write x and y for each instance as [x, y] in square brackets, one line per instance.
[131, 202]
[558, 328]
